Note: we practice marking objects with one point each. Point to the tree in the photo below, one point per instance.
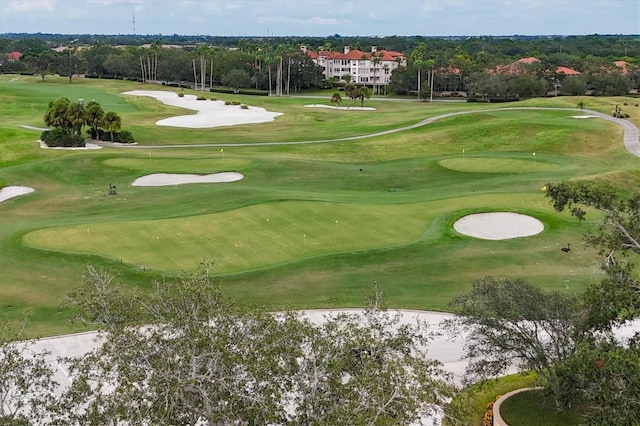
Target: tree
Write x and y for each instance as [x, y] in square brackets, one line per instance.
[574, 85]
[27, 383]
[511, 322]
[363, 93]
[204, 360]
[376, 58]
[112, 123]
[418, 57]
[57, 113]
[237, 79]
[94, 118]
[605, 370]
[42, 63]
[351, 90]
[76, 117]
[617, 298]
[527, 86]
[336, 99]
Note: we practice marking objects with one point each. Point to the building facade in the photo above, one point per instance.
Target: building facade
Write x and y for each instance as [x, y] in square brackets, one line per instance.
[365, 68]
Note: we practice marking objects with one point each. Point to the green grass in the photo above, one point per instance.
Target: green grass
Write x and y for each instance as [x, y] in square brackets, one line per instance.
[394, 219]
[471, 402]
[536, 407]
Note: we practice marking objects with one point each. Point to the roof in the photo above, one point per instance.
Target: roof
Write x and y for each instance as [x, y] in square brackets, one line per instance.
[14, 56]
[566, 71]
[622, 65]
[385, 55]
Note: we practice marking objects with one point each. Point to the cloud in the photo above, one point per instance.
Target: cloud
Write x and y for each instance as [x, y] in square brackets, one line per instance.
[31, 6]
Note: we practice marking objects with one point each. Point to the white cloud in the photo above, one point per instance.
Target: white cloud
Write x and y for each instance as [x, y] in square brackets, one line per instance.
[31, 5]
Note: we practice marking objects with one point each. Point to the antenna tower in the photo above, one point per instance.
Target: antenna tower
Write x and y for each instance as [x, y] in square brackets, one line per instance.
[134, 23]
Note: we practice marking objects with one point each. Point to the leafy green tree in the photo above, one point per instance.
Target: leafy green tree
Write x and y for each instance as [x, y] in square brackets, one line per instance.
[511, 322]
[112, 123]
[204, 359]
[574, 85]
[42, 63]
[527, 86]
[237, 79]
[336, 99]
[26, 385]
[617, 298]
[605, 370]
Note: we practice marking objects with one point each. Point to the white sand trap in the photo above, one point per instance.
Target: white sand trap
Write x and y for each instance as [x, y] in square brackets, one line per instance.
[208, 113]
[169, 179]
[14, 191]
[498, 226]
[347, 108]
[584, 116]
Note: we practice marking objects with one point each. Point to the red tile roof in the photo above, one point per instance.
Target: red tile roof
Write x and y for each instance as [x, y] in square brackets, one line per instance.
[14, 56]
[566, 71]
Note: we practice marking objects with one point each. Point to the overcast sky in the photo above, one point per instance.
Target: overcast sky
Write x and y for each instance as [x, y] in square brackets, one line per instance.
[322, 17]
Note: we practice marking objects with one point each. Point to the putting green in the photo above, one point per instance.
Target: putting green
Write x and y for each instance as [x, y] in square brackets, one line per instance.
[241, 239]
[496, 165]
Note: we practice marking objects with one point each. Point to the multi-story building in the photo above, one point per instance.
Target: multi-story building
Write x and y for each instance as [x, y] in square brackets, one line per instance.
[366, 68]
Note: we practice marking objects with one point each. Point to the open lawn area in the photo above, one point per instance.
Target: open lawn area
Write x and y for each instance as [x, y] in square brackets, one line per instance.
[311, 225]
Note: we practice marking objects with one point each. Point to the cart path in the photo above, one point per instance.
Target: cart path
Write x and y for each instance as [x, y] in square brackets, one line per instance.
[630, 132]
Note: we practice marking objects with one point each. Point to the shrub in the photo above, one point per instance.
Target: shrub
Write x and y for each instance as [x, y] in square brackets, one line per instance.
[243, 106]
[59, 137]
[235, 102]
[123, 136]
[180, 95]
[227, 102]
[201, 98]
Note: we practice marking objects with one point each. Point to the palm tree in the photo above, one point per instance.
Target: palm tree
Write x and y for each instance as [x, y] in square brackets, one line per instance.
[76, 116]
[351, 90]
[94, 118]
[376, 58]
[419, 57]
[112, 122]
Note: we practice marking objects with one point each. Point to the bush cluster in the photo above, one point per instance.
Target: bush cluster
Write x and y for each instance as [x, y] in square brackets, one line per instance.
[60, 137]
[123, 136]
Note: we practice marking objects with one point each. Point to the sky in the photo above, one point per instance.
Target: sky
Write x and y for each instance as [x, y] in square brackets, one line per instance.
[322, 17]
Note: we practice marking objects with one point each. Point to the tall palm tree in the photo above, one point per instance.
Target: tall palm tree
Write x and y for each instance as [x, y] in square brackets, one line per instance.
[376, 58]
[419, 57]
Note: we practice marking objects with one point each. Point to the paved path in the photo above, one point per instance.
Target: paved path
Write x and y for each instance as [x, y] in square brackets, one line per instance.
[630, 131]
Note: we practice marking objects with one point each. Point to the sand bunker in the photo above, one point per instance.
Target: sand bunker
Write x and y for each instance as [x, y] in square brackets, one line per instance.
[169, 179]
[498, 226]
[584, 116]
[14, 191]
[347, 108]
[208, 113]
